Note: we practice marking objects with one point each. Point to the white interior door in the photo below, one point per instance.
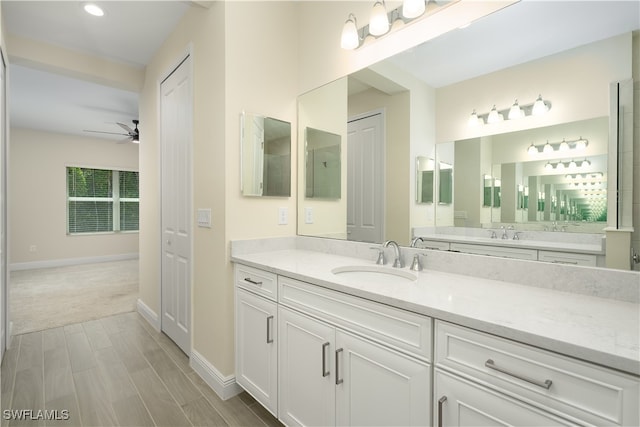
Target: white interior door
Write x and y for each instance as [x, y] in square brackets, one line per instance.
[365, 177]
[176, 141]
[4, 274]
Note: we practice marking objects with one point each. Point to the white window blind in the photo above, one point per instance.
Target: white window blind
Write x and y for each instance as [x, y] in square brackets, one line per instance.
[101, 200]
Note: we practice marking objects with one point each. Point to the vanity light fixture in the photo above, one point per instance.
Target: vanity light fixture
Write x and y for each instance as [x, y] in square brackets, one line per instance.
[474, 120]
[380, 21]
[516, 111]
[564, 145]
[561, 165]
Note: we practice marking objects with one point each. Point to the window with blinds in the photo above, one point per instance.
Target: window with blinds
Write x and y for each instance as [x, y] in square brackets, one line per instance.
[101, 200]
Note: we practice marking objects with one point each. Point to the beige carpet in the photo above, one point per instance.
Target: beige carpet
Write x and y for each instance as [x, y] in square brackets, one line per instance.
[50, 297]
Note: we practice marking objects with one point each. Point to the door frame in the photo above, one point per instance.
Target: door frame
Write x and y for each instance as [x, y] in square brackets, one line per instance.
[187, 54]
[5, 322]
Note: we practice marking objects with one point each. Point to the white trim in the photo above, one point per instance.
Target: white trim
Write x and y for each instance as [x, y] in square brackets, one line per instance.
[149, 315]
[70, 261]
[224, 386]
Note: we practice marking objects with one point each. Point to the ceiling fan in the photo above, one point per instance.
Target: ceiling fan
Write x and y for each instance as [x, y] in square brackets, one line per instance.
[132, 135]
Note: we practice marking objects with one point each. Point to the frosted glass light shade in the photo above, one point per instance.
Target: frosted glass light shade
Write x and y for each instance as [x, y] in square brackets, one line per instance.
[532, 150]
[563, 146]
[474, 120]
[547, 148]
[581, 144]
[494, 116]
[378, 21]
[548, 166]
[539, 107]
[515, 112]
[413, 8]
[350, 38]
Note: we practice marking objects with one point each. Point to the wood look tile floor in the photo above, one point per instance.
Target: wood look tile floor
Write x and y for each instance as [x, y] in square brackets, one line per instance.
[114, 371]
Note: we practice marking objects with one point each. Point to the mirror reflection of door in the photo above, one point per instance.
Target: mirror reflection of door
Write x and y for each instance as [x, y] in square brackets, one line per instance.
[365, 178]
[257, 139]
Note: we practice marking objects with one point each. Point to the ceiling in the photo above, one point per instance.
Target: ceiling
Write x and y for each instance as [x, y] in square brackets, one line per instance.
[130, 33]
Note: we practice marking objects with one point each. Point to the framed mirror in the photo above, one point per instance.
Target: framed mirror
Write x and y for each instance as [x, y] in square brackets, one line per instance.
[265, 147]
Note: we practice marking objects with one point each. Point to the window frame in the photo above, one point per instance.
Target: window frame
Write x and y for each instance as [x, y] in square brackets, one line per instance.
[115, 199]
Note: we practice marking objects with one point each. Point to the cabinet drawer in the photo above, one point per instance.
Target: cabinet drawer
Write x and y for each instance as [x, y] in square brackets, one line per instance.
[505, 252]
[585, 392]
[258, 281]
[567, 258]
[400, 329]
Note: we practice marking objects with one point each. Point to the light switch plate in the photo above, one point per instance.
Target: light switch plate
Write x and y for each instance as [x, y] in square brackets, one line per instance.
[204, 218]
[308, 215]
[283, 216]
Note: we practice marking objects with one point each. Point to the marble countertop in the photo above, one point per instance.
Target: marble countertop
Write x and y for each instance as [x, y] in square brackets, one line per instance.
[546, 245]
[598, 330]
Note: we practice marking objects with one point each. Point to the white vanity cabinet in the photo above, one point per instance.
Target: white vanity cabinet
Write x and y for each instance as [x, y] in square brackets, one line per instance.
[257, 335]
[331, 377]
[481, 378]
[567, 258]
[498, 251]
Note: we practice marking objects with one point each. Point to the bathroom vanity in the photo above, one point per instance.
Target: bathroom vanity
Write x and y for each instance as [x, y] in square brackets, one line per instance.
[334, 339]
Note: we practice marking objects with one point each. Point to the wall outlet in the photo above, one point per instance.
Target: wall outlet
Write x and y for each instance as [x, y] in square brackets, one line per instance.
[283, 216]
[204, 218]
[33, 248]
[308, 215]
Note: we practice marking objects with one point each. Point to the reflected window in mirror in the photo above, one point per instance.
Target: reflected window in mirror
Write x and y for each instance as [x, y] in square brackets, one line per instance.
[445, 185]
[265, 156]
[323, 165]
[487, 184]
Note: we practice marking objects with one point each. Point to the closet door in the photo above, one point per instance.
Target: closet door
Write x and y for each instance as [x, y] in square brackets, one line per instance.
[176, 142]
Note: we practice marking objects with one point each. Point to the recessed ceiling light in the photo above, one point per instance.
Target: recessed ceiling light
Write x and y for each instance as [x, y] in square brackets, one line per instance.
[93, 9]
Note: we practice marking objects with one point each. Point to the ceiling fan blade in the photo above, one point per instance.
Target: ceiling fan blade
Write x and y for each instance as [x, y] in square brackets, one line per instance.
[109, 133]
[125, 127]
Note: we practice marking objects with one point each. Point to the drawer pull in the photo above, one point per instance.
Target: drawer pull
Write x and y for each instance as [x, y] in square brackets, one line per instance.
[491, 365]
[338, 379]
[269, 337]
[557, 261]
[325, 372]
[440, 403]
[253, 282]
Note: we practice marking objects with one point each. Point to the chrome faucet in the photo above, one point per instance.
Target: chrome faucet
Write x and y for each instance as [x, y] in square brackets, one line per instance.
[415, 240]
[504, 232]
[397, 263]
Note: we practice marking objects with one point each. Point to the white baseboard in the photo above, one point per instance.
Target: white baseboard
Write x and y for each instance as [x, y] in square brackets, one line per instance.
[148, 314]
[225, 387]
[70, 261]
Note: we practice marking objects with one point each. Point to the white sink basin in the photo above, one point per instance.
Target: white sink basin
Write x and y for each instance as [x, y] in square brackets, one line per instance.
[375, 273]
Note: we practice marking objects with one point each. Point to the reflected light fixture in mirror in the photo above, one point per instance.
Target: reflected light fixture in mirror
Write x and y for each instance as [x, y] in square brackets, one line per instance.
[564, 145]
[515, 112]
[93, 9]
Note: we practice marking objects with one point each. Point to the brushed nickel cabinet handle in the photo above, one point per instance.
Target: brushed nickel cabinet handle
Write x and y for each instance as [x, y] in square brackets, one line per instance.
[546, 384]
[338, 379]
[269, 337]
[253, 282]
[440, 403]
[325, 372]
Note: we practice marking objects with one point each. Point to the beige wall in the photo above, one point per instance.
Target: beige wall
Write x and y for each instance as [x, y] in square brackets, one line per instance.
[635, 237]
[234, 70]
[37, 191]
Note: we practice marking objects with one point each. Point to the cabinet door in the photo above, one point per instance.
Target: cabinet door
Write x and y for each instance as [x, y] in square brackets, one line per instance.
[256, 348]
[377, 386]
[306, 370]
[459, 402]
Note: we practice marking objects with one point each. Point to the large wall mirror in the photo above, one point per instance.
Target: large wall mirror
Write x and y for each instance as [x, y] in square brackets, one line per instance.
[265, 156]
[438, 171]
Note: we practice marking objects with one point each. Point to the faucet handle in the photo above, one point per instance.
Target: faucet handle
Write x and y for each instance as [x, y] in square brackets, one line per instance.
[381, 259]
[493, 234]
[516, 235]
[415, 265]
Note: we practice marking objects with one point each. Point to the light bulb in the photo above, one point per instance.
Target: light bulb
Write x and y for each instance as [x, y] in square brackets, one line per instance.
[547, 148]
[474, 120]
[378, 20]
[539, 107]
[532, 150]
[494, 116]
[413, 8]
[93, 9]
[515, 112]
[350, 39]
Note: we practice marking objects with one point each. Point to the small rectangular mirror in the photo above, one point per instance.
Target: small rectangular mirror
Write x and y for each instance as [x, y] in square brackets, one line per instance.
[486, 190]
[323, 165]
[445, 185]
[265, 156]
[424, 179]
